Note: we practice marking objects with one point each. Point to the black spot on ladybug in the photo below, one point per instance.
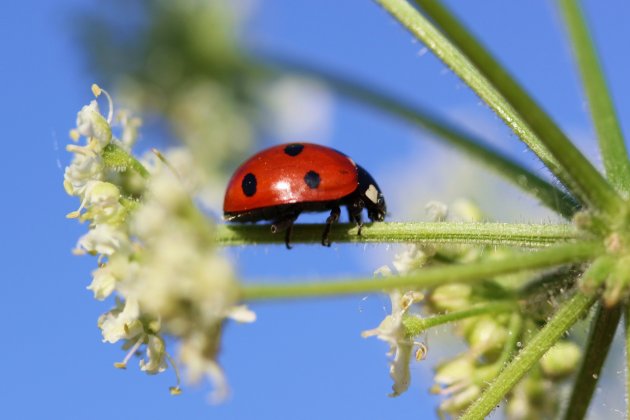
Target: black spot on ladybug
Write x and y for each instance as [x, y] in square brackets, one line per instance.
[312, 179]
[249, 185]
[294, 149]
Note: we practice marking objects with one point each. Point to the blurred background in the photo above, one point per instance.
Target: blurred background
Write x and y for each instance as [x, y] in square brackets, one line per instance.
[212, 74]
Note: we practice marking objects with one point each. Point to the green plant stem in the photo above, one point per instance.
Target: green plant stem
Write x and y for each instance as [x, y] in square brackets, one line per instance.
[550, 195]
[471, 62]
[611, 143]
[415, 325]
[515, 329]
[561, 322]
[468, 273]
[500, 234]
[484, 374]
[600, 339]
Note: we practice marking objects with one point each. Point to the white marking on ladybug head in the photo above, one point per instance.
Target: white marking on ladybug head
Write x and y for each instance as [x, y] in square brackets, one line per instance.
[372, 193]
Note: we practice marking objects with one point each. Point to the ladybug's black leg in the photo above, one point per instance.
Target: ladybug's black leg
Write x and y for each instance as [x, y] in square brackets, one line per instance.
[354, 212]
[285, 223]
[334, 216]
[359, 221]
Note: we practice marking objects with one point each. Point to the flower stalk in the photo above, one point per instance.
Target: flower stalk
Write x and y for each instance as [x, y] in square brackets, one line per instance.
[600, 339]
[496, 234]
[611, 143]
[417, 325]
[468, 273]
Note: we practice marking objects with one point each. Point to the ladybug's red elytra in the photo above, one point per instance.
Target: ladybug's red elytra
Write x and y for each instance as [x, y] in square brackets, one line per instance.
[280, 182]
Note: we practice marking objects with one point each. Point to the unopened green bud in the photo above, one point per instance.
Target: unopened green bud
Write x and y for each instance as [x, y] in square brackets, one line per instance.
[487, 335]
[561, 360]
[451, 297]
[467, 210]
[455, 370]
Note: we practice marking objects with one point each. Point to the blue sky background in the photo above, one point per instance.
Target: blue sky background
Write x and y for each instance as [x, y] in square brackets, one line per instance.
[299, 360]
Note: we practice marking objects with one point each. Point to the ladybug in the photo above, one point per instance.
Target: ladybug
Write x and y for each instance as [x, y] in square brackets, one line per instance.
[279, 183]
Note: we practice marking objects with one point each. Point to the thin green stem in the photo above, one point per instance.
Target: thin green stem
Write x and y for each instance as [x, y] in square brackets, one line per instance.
[515, 329]
[600, 339]
[611, 143]
[550, 195]
[499, 234]
[561, 322]
[415, 325]
[468, 273]
[470, 61]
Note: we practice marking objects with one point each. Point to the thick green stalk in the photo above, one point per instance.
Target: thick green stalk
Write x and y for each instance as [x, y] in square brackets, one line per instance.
[430, 277]
[600, 339]
[470, 61]
[611, 143]
[415, 325]
[561, 322]
[499, 234]
[550, 195]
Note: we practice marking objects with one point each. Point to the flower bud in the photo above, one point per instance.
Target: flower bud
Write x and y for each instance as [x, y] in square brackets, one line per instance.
[451, 297]
[561, 360]
[459, 369]
[487, 335]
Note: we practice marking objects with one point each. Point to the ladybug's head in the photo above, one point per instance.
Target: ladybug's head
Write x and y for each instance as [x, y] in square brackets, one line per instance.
[372, 196]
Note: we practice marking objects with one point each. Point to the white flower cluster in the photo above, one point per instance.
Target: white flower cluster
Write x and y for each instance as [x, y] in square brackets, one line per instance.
[155, 250]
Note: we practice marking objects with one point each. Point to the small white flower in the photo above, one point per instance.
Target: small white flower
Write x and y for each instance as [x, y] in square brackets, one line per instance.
[91, 124]
[106, 277]
[102, 194]
[85, 168]
[156, 356]
[119, 324]
[393, 332]
[102, 200]
[103, 239]
[103, 283]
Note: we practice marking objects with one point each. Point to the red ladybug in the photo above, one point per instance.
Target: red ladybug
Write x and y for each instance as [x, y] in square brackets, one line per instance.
[283, 181]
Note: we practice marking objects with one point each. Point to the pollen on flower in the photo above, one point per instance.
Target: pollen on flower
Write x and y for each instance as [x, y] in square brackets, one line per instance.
[73, 214]
[96, 90]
